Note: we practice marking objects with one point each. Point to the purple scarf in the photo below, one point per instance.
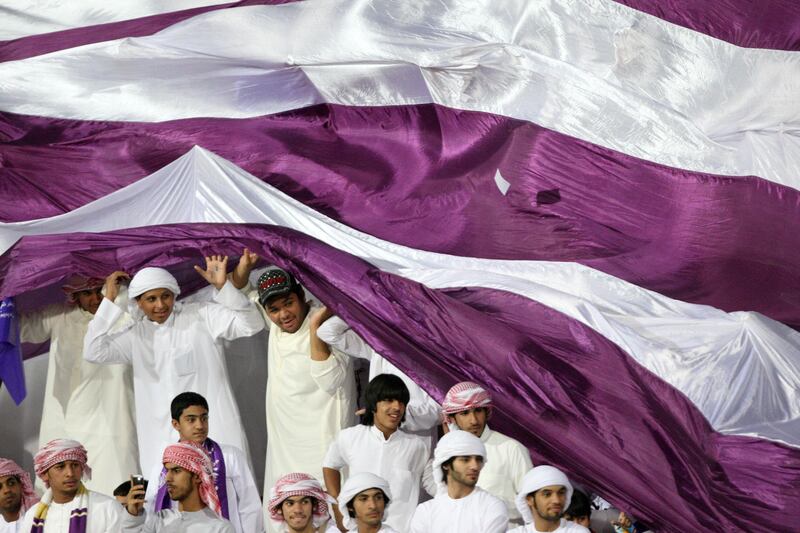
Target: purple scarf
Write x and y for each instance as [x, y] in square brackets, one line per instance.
[162, 497]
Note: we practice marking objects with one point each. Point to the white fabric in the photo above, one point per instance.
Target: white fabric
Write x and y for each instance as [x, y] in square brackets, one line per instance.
[244, 502]
[422, 411]
[508, 463]
[557, 63]
[104, 515]
[174, 521]
[89, 403]
[455, 444]
[356, 484]
[400, 460]
[726, 363]
[308, 402]
[150, 278]
[564, 527]
[182, 354]
[31, 17]
[10, 527]
[538, 478]
[479, 512]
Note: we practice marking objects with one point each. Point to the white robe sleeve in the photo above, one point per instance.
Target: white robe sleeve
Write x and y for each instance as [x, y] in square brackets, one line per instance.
[251, 516]
[101, 346]
[144, 523]
[520, 463]
[330, 374]
[420, 520]
[428, 483]
[337, 334]
[112, 515]
[38, 326]
[496, 517]
[334, 458]
[233, 315]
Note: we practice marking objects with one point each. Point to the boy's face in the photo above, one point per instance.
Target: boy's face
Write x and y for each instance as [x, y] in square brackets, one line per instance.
[287, 312]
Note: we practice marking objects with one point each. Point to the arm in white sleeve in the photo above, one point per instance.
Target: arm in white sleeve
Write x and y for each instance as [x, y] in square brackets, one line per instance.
[330, 374]
[422, 413]
[496, 517]
[233, 315]
[337, 334]
[333, 457]
[133, 524]
[101, 346]
[38, 325]
[520, 464]
[428, 483]
[248, 503]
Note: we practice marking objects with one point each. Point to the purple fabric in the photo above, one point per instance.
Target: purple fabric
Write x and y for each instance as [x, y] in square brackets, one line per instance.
[77, 520]
[573, 397]
[423, 176]
[45, 43]
[749, 23]
[11, 371]
[163, 501]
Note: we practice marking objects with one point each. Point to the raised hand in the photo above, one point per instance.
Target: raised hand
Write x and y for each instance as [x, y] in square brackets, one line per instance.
[112, 284]
[216, 270]
[319, 316]
[241, 273]
[135, 502]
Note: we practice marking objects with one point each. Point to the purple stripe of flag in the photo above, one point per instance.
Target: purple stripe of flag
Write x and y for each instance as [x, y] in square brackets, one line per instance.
[424, 176]
[11, 371]
[771, 24]
[572, 396]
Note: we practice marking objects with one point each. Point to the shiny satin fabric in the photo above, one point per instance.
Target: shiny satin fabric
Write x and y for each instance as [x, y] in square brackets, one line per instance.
[598, 71]
[573, 397]
[741, 370]
[424, 176]
[749, 23]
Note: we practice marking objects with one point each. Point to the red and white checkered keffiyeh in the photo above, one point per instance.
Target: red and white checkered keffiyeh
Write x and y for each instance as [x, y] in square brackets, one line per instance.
[57, 451]
[463, 397]
[10, 468]
[299, 484]
[75, 284]
[195, 459]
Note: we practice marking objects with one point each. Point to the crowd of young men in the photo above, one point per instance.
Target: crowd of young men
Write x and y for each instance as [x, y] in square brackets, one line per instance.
[323, 471]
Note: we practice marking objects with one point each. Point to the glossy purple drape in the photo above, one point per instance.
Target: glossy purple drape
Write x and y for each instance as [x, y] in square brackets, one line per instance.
[572, 396]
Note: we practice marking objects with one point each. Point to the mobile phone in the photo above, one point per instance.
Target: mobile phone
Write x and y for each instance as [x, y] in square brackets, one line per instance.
[137, 479]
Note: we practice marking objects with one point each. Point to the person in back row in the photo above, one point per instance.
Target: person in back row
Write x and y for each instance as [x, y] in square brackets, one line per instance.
[310, 389]
[468, 406]
[363, 502]
[16, 496]
[173, 348]
[190, 483]
[92, 404]
[236, 488]
[460, 506]
[299, 504]
[379, 446]
[544, 495]
[67, 505]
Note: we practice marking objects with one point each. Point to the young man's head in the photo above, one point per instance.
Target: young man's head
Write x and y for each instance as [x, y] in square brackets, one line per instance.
[155, 291]
[283, 299]
[580, 509]
[386, 399]
[190, 477]
[61, 465]
[467, 406]
[544, 494]
[86, 293]
[16, 491]
[458, 460]
[363, 501]
[190, 416]
[298, 501]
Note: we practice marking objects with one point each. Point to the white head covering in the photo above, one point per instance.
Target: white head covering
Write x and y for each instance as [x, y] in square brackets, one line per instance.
[455, 444]
[147, 279]
[353, 486]
[150, 278]
[538, 478]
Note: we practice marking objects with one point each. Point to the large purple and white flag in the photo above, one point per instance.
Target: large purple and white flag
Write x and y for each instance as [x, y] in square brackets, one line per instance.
[589, 207]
